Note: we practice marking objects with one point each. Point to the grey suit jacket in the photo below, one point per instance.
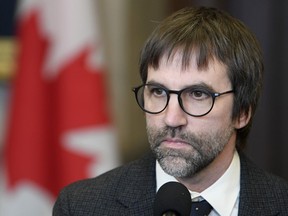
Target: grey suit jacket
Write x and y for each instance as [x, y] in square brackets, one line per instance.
[130, 190]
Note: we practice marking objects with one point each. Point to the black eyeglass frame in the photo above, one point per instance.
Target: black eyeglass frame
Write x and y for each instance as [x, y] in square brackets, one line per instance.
[214, 95]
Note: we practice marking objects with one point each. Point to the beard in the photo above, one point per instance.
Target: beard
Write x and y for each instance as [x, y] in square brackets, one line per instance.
[182, 163]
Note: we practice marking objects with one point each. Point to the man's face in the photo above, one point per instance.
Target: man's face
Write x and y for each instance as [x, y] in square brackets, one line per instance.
[183, 144]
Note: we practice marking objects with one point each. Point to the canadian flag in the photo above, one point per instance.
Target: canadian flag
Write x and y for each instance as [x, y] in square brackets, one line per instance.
[59, 129]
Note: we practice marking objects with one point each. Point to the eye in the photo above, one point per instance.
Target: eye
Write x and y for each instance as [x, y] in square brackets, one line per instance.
[197, 94]
[157, 91]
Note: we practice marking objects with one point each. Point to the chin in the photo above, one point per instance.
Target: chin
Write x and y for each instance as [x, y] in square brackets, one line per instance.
[176, 167]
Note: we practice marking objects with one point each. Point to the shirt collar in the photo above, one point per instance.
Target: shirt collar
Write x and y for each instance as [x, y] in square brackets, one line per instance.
[221, 195]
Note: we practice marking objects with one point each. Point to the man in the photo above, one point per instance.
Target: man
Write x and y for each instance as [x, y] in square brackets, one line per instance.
[202, 76]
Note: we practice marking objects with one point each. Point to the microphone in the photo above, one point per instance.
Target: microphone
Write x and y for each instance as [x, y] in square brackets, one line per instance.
[172, 199]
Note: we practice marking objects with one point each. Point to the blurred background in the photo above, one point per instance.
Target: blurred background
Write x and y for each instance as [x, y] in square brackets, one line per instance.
[124, 26]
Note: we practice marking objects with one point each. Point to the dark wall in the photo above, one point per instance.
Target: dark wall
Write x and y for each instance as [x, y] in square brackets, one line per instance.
[7, 17]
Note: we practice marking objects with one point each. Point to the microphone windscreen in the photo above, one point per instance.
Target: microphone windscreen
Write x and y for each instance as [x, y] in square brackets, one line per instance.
[172, 197]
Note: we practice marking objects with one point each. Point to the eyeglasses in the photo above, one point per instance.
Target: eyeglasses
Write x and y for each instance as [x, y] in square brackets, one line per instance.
[195, 101]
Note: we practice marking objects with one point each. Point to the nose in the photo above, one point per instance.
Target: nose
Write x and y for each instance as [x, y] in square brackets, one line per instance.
[174, 115]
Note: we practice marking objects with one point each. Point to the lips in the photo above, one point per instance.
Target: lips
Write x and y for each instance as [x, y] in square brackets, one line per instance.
[175, 143]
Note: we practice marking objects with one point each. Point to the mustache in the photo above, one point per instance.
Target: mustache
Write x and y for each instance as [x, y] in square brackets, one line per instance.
[171, 132]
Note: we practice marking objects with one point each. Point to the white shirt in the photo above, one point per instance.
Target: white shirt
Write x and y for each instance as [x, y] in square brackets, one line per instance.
[223, 195]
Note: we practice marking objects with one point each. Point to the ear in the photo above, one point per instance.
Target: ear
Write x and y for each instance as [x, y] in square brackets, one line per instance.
[243, 119]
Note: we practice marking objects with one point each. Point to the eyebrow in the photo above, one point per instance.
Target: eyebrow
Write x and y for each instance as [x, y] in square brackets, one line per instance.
[200, 85]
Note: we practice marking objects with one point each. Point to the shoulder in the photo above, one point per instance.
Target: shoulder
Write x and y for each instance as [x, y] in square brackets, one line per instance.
[108, 189]
[260, 177]
[260, 190]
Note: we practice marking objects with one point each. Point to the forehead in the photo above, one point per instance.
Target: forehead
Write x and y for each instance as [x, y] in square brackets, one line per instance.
[171, 73]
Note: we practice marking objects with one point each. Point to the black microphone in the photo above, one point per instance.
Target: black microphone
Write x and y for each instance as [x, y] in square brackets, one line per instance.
[172, 199]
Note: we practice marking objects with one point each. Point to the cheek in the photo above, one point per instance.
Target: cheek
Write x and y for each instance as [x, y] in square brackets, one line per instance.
[211, 122]
[222, 109]
[155, 121]
[151, 120]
